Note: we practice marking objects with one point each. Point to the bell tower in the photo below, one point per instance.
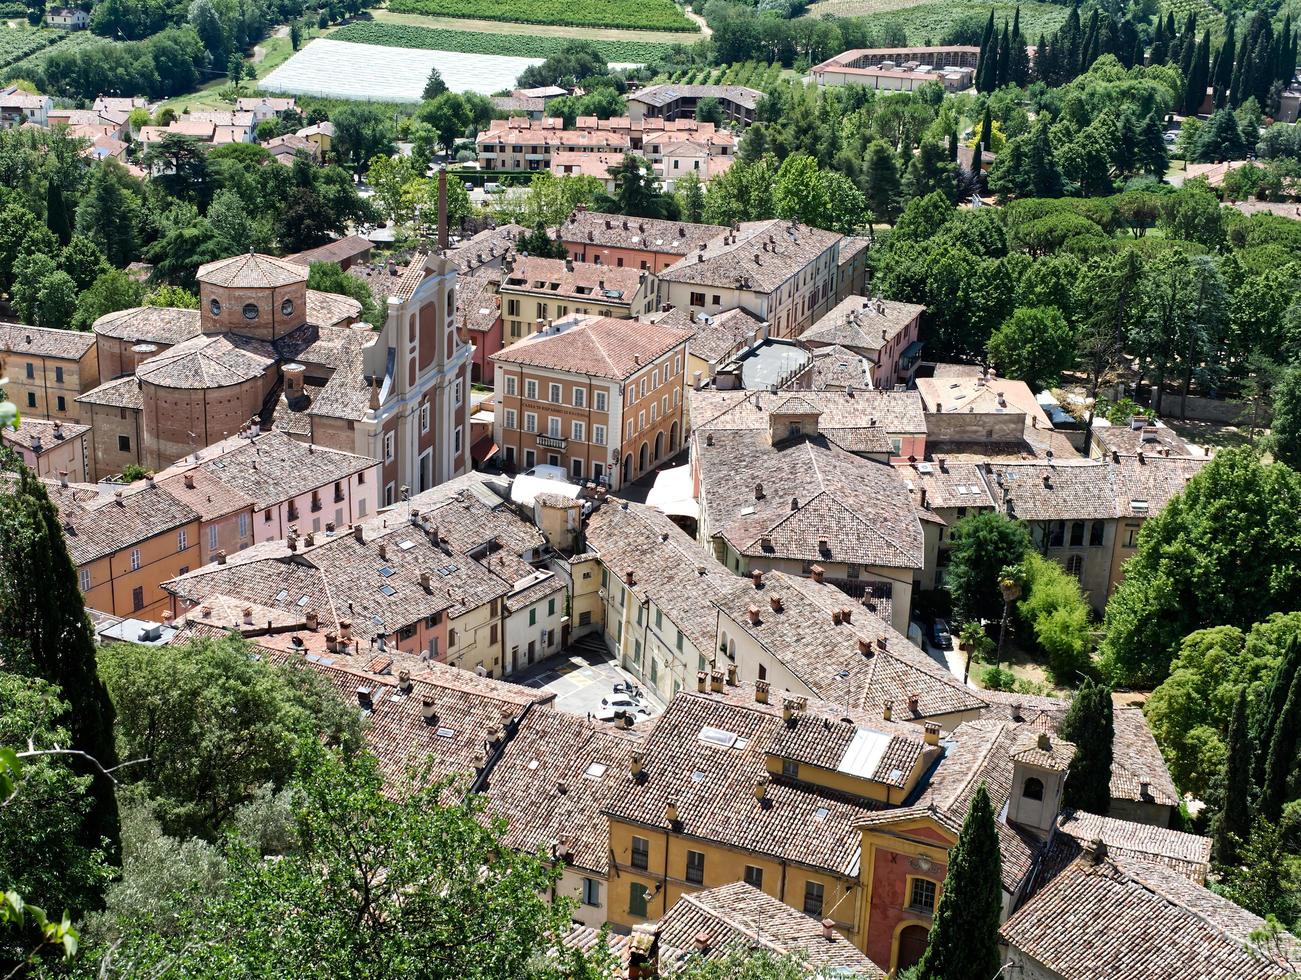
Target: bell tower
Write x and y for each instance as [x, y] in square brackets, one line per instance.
[1039, 765]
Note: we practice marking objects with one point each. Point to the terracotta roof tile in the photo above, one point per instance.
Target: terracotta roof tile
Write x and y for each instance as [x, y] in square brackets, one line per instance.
[760, 256]
[251, 271]
[150, 324]
[599, 346]
[21, 339]
[645, 234]
[858, 322]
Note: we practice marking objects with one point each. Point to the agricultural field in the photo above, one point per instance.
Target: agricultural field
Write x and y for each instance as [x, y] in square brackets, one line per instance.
[473, 42]
[752, 74]
[929, 21]
[375, 73]
[64, 41]
[653, 15]
[17, 43]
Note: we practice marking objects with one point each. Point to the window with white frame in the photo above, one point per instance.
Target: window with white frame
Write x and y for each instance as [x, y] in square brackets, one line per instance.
[456, 440]
[580, 397]
[655, 412]
[83, 575]
[531, 390]
[212, 536]
[598, 435]
[641, 420]
[630, 428]
[530, 422]
[553, 427]
[135, 559]
[510, 384]
[642, 387]
[389, 444]
[459, 391]
[554, 394]
[655, 378]
[598, 401]
[424, 417]
[182, 539]
[578, 431]
[510, 418]
[664, 405]
[243, 525]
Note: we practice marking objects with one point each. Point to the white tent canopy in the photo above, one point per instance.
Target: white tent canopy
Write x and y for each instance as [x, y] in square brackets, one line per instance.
[672, 493]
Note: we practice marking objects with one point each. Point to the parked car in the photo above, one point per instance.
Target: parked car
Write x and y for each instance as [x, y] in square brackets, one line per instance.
[940, 636]
[546, 472]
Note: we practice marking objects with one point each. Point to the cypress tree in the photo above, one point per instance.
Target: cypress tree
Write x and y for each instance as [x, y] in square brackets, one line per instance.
[1069, 39]
[1043, 66]
[987, 129]
[1234, 821]
[1236, 95]
[1004, 57]
[986, 52]
[1222, 76]
[1271, 706]
[57, 218]
[1090, 724]
[953, 146]
[1159, 43]
[1019, 69]
[963, 942]
[1195, 85]
[1187, 55]
[45, 632]
[1089, 46]
[1281, 756]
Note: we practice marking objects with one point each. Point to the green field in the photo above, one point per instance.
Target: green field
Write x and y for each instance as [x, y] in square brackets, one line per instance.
[930, 21]
[17, 43]
[65, 41]
[471, 42]
[752, 74]
[647, 15]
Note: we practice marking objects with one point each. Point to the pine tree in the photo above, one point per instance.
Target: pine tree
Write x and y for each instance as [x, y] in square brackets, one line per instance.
[1281, 756]
[44, 632]
[953, 146]
[881, 182]
[1153, 156]
[57, 218]
[963, 942]
[1234, 821]
[1090, 724]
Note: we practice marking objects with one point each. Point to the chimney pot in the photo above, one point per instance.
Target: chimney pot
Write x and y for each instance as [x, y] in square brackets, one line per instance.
[914, 700]
[1044, 742]
[888, 710]
[671, 811]
[757, 578]
[312, 620]
[753, 613]
[700, 681]
[731, 675]
[358, 533]
[828, 929]
[817, 572]
[221, 557]
[189, 481]
[761, 689]
[776, 603]
[761, 788]
[629, 577]
[636, 764]
[716, 681]
[847, 614]
[932, 730]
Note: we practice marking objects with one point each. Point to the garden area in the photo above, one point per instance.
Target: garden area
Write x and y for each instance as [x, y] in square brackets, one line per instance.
[20, 45]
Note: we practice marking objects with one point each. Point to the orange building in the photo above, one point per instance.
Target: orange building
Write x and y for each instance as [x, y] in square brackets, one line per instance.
[600, 397]
[638, 243]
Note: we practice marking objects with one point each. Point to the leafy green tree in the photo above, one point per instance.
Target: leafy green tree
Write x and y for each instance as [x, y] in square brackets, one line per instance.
[1233, 822]
[21, 234]
[690, 193]
[328, 277]
[45, 295]
[1035, 346]
[173, 296]
[963, 942]
[43, 855]
[1221, 139]
[1286, 431]
[1190, 711]
[83, 260]
[184, 707]
[448, 116]
[1184, 300]
[930, 170]
[637, 191]
[109, 213]
[1028, 166]
[57, 218]
[378, 884]
[550, 200]
[179, 165]
[743, 964]
[575, 61]
[1058, 614]
[1267, 877]
[1189, 572]
[184, 246]
[743, 193]
[538, 243]
[114, 290]
[799, 193]
[434, 85]
[983, 545]
[1089, 723]
[710, 110]
[1193, 214]
[44, 632]
[360, 133]
[1280, 753]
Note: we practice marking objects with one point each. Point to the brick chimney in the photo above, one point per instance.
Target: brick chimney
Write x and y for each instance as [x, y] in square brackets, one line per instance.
[914, 699]
[753, 614]
[189, 481]
[757, 578]
[887, 711]
[817, 572]
[761, 689]
[776, 602]
[716, 681]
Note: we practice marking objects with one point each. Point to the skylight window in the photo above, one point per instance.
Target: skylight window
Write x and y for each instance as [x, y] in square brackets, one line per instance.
[446, 733]
[717, 737]
[821, 814]
[388, 590]
[595, 771]
[386, 571]
[407, 545]
[697, 776]
[304, 600]
[282, 595]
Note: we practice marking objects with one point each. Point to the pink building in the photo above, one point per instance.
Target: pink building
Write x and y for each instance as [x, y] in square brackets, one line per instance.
[882, 331]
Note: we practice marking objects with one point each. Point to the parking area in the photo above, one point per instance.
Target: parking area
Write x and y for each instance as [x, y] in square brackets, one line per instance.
[584, 678]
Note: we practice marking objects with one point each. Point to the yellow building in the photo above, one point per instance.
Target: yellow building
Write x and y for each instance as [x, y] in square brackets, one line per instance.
[47, 369]
[536, 291]
[731, 786]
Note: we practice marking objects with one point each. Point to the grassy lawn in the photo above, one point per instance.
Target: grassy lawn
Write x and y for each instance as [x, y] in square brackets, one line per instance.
[1214, 434]
[382, 16]
[277, 50]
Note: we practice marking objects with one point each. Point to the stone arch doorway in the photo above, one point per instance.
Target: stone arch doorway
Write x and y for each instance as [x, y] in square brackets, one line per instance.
[642, 458]
[912, 946]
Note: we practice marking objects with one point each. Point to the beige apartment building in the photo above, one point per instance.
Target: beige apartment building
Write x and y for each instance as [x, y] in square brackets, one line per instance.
[790, 275]
[534, 291]
[47, 369]
[598, 396]
[51, 449]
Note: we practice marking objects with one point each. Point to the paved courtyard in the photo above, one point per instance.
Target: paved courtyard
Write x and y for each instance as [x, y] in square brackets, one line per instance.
[583, 679]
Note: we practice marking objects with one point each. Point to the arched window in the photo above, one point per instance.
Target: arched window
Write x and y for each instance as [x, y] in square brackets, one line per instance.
[1033, 789]
[1075, 565]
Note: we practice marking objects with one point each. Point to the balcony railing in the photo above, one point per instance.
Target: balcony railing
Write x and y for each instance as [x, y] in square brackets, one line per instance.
[552, 442]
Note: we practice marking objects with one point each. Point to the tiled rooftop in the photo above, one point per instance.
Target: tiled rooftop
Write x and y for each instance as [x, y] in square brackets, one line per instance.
[575, 281]
[206, 494]
[670, 569]
[1084, 489]
[862, 323]
[948, 485]
[738, 917]
[760, 257]
[488, 247]
[1127, 440]
[645, 234]
[806, 638]
[251, 271]
[97, 524]
[150, 324]
[50, 434]
[477, 304]
[1131, 920]
[553, 782]
[778, 502]
[838, 368]
[1188, 854]
[599, 346]
[659, 95]
[897, 412]
[20, 339]
[274, 468]
[714, 787]
[119, 393]
[208, 361]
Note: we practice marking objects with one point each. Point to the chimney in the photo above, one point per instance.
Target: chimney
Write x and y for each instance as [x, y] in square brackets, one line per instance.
[765, 542]
[709, 438]
[629, 577]
[189, 481]
[702, 943]
[168, 617]
[221, 557]
[569, 264]
[761, 689]
[1142, 458]
[700, 681]
[117, 498]
[428, 711]
[716, 681]
[887, 711]
[757, 578]
[383, 551]
[817, 572]
[345, 630]
[331, 641]
[788, 709]
[1144, 789]
[731, 675]
[828, 929]
[776, 602]
[63, 478]
[753, 613]
[671, 812]
[914, 700]
[922, 498]
[36, 443]
[882, 642]
[1115, 456]
[758, 491]
[1095, 851]
[864, 647]
[944, 463]
[1149, 433]
[835, 617]
[761, 790]
[847, 614]
[310, 539]
[425, 581]
[637, 765]
[824, 544]
[312, 620]
[932, 730]
[358, 533]
[1048, 482]
[364, 698]
[795, 504]
[248, 615]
